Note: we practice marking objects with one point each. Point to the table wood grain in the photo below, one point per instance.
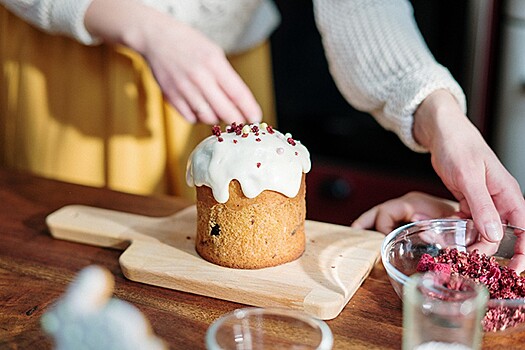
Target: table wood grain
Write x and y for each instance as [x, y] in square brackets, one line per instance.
[35, 270]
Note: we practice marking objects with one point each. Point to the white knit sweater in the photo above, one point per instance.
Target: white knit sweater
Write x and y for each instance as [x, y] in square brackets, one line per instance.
[376, 53]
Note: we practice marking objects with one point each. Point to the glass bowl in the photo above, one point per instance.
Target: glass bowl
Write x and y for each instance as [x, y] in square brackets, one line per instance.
[402, 249]
[268, 328]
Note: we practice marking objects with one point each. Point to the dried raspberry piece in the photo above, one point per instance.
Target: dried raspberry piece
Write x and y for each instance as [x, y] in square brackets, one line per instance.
[425, 263]
[235, 128]
[441, 268]
[216, 130]
[501, 282]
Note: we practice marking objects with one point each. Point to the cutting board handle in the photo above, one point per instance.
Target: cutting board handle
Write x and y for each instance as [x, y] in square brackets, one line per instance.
[96, 226]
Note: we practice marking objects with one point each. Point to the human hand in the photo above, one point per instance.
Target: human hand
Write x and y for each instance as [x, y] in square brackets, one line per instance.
[413, 206]
[191, 70]
[198, 80]
[486, 191]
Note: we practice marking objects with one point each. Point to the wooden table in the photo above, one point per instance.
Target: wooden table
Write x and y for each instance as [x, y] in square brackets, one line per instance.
[35, 270]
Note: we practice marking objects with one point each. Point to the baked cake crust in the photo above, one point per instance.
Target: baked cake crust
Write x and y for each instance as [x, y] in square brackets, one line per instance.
[250, 233]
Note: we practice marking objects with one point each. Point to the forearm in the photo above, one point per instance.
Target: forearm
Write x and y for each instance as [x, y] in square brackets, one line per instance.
[440, 118]
[380, 61]
[54, 16]
[126, 22]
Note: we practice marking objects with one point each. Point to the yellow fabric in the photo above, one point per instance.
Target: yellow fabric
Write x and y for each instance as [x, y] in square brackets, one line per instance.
[96, 116]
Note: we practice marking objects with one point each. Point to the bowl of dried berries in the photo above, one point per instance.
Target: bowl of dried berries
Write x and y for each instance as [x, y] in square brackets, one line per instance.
[451, 246]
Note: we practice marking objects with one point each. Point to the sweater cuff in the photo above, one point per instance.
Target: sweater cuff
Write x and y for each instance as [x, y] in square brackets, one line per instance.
[398, 114]
[67, 17]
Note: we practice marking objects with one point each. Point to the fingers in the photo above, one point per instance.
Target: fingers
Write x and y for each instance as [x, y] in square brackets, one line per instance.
[229, 98]
[517, 263]
[484, 213]
[366, 220]
[203, 86]
[413, 206]
[518, 260]
[241, 96]
[203, 99]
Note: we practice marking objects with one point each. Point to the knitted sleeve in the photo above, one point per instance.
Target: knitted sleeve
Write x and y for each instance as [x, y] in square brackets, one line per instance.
[235, 25]
[380, 62]
[55, 16]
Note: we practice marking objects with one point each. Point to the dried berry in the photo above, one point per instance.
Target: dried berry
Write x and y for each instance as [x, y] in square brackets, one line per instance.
[216, 130]
[501, 282]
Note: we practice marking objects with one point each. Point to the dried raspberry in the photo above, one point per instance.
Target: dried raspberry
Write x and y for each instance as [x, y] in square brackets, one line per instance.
[236, 128]
[425, 263]
[216, 130]
[501, 282]
[441, 268]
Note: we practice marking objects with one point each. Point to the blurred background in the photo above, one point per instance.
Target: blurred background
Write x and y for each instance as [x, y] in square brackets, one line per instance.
[356, 163]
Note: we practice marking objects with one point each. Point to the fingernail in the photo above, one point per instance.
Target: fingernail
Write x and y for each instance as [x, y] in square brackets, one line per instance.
[494, 231]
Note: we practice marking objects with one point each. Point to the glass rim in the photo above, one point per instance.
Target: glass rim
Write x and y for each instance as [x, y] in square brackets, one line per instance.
[327, 338]
[477, 292]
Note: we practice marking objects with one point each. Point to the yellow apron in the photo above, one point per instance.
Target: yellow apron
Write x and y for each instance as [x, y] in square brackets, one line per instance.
[96, 116]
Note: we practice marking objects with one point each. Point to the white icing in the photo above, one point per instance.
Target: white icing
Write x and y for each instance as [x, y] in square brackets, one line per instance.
[269, 164]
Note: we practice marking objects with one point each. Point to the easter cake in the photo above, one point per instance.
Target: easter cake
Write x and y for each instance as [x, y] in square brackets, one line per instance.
[250, 184]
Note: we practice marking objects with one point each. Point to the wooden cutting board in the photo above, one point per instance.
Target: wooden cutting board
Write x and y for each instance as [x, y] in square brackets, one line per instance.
[161, 252]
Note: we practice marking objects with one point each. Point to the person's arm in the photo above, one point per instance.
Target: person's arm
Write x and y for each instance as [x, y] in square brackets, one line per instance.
[64, 17]
[469, 168]
[192, 71]
[381, 64]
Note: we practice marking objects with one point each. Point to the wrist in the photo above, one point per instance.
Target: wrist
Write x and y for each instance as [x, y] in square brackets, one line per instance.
[434, 118]
[132, 27]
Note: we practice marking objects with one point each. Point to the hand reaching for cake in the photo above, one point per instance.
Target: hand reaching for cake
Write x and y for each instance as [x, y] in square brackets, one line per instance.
[192, 71]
